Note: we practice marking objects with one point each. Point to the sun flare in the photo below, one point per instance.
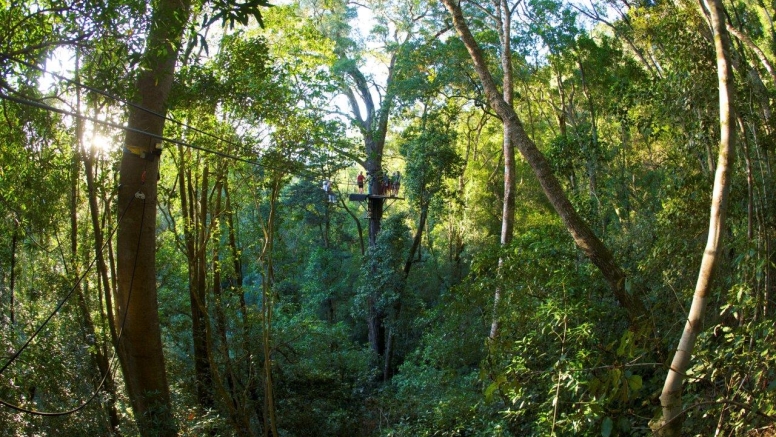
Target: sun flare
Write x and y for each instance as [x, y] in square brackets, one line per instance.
[101, 142]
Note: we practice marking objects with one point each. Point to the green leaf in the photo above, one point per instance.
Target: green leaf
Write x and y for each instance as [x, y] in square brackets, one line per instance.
[635, 383]
[606, 427]
[494, 386]
[626, 344]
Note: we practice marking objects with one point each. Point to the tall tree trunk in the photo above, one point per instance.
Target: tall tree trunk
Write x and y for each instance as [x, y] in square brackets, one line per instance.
[671, 397]
[375, 315]
[236, 409]
[591, 157]
[583, 236]
[770, 276]
[200, 322]
[12, 279]
[504, 23]
[99, 242]
[99, 353]
[140, 349]
[104, 288]
[270, 428]
[194, 237]
[237, 278]
[373, 127]
[237, 282]
[623, 190]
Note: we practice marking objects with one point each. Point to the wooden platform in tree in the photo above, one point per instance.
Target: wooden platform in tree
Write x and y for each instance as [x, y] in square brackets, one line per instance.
[355, 197]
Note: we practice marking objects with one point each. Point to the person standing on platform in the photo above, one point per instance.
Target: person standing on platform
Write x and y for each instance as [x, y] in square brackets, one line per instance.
[395, 183]
[360, 182]
[386, 184]
[328, 190]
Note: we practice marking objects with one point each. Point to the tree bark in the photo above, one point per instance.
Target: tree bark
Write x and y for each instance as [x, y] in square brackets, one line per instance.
[107, 313]
[583, 236]
[140, 349]
[237, 283]
[591, 148]
[373, 127]
[741, 36]
[99, 354]
[236, 410]
[671, 397]
[271, 426]
[504, 22]
[12, 280]
[102, 267]
[375, 316]
[198, 289]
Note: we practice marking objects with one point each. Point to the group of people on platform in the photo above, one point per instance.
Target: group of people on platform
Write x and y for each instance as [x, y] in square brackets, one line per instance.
[386, 186]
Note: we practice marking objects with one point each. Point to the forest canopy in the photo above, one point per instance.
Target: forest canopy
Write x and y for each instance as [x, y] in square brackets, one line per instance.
[387, 218]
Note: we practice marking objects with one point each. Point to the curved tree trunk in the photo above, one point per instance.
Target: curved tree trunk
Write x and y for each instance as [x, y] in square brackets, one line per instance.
[671, 397]
[140, 346]
[357, 221]
[583, 236]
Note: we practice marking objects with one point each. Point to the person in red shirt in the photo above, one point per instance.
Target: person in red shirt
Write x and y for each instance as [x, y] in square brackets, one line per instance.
[360, 182]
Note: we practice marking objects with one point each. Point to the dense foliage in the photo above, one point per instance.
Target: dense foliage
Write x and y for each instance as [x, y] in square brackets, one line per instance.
[278, 317]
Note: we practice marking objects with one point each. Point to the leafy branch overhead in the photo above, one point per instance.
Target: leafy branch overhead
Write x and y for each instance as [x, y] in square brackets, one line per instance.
[231, 13]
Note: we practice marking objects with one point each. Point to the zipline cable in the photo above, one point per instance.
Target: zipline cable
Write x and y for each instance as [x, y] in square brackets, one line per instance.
[46, 107]
[126, 102]
[135, 105]
[118, 338]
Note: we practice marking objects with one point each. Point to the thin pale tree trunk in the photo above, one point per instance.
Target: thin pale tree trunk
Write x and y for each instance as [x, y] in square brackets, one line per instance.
[199, 311]
[251, 390]
[504, 22]
[671, 397]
